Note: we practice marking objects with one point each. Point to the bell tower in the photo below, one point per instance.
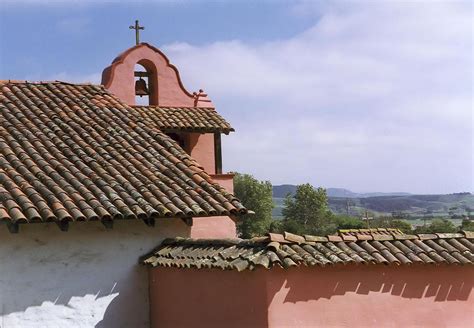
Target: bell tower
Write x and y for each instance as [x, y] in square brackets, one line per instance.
[159, 79]
[145, 71]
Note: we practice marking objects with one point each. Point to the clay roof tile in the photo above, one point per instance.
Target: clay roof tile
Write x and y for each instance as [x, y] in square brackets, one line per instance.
[78, 153]
[290, 250]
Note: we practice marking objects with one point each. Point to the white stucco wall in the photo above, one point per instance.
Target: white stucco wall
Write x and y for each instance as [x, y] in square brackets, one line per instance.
[85, 277]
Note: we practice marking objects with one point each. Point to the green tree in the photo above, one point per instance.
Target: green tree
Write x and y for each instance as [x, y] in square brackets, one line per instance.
[348, 222]
[400, 215]
[469, 211]
[307, 212]
[467, 225]
[437, 225]
[277, 226]
[257, 197]
[452, 212]
[442, 225]
[388, 222]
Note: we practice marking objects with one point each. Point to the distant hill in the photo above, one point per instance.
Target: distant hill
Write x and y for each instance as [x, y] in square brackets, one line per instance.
[413, 205]
[343, 200]
[281, 191]
[340, 192]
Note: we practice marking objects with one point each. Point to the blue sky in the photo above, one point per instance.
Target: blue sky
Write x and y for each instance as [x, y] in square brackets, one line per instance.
[370, 96]
[84, 38]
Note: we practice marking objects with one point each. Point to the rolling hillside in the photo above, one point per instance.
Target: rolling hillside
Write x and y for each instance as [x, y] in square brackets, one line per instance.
[281, 191]
[344, 201]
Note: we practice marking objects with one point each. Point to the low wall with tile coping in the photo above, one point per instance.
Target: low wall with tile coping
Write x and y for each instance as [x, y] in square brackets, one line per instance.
[335, 296]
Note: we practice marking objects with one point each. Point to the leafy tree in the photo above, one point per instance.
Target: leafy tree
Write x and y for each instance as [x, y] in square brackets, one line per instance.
[404, 226]
[468, 210]
[437, 225]
[307, 212]
[467, 225]
[442, 225]
[256, 196]
[348, 222]
[277, 226]
[453, 212]
[400, 215]
[423, 229]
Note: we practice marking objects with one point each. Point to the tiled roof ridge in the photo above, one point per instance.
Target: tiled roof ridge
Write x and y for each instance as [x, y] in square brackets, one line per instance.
[290, 238]
[216, 241]
[177, 107]
[366, 234]
[40, 82]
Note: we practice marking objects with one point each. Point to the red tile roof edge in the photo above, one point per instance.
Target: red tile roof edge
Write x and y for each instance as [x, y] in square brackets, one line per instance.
[289, 250]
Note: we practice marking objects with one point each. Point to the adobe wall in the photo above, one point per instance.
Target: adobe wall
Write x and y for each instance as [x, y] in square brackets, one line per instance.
[202, 150]
[206, 298]
[216, 226]
[347, 296]
[371, 296]
[85, 277]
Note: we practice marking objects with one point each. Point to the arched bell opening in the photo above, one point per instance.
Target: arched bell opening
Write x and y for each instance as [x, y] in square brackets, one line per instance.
[142, 82]
[146, 83]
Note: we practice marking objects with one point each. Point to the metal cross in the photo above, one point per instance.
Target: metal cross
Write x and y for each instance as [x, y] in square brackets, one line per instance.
[137, 29]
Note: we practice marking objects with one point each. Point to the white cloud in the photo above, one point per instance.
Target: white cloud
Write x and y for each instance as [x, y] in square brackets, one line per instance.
[374, 96]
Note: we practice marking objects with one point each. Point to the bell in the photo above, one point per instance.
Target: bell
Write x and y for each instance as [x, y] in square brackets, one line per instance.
[140, 88]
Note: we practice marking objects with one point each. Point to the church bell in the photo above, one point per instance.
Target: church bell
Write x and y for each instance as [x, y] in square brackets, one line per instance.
[141, 88]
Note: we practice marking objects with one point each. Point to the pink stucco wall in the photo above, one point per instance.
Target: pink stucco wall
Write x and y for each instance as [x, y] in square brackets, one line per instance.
[225, 180]
[206, 298]
[213, 227]
[201, 148]
[341, 296]
[217, 226]
[374, 296]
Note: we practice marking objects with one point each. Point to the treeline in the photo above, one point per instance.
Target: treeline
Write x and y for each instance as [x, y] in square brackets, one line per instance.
[306, 211]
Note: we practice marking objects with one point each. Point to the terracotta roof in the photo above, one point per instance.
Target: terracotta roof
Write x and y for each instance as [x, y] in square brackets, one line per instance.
[193, 119]
[76, 152]
[384, 246]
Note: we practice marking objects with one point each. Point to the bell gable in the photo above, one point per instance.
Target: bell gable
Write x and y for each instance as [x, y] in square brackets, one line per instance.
[164, 87]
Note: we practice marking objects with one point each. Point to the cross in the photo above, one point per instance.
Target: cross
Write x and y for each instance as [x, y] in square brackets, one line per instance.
[137, 29]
